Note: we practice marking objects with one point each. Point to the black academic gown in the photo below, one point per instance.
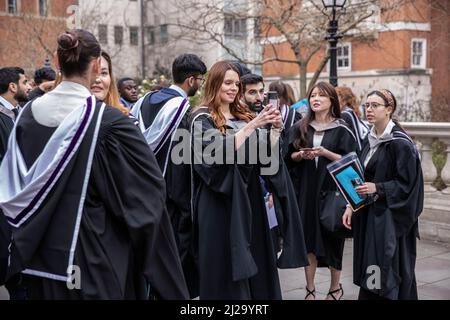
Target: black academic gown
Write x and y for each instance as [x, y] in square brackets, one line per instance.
[125, 244]
[236, 257]
[289, 129]
[6, 126]
[178, 192]
[310, 182]
[352, 120]
[5, 237]
[385, 232]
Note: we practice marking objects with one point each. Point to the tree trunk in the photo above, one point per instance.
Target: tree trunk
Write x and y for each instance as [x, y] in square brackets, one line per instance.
[303, 79]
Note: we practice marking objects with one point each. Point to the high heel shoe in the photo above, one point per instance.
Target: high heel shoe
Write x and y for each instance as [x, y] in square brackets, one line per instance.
[310, 293]
[332, 293]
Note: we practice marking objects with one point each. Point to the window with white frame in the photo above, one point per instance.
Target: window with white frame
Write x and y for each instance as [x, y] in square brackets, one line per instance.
[118, 35]
[134, 36]
[418, 53]
[235, 27]
[12, 6]
[163, 34]
[103, 33]
[344, 56]
[43, 8]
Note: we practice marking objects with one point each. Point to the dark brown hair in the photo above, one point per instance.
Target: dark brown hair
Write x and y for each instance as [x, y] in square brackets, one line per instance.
[389, 100]
[211, 98]
[76, 49]
[302, 126]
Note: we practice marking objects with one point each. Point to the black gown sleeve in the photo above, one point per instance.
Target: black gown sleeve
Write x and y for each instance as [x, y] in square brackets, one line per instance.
[129, 181]
[5, 130]
[5, 239]
[347, 142]
[210, 144]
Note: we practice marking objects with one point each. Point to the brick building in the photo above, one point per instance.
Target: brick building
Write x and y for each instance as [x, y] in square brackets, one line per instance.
[29, 29]
[407, 51]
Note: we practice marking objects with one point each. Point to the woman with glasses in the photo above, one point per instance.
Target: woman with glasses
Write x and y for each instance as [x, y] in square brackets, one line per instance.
[385, 230]
[320, 138]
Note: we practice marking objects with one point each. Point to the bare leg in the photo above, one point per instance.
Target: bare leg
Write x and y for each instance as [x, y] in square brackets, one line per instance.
[334, 285]
[310, 273]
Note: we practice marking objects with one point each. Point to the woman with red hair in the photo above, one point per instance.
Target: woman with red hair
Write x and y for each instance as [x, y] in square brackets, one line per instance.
[235, 252]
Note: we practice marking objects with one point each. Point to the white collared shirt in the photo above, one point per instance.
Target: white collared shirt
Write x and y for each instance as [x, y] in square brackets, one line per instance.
[179, 90]
[6, 104]
[375, 141]
[7, 108]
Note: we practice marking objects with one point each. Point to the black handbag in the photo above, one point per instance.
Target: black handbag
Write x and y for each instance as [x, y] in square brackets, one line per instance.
[332, 207]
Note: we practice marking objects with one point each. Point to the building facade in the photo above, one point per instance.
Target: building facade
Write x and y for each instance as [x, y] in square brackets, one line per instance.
[29, 31]
[406, 51]
[144, 36]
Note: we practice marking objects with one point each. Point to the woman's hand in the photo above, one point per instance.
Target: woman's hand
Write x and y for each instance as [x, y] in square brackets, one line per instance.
[300, 155]
[324, 152]
[366, 188]
[47, 86]
[347, 218]
[319, 151]
[269, 115]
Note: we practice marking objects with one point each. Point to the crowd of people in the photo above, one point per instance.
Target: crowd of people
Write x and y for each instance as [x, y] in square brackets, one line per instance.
[105, 195]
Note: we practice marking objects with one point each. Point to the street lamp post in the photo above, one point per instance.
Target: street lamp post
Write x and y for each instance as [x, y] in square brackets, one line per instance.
[333, 36]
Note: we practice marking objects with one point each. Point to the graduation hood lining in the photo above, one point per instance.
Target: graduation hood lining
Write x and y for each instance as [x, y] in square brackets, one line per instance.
[79, 211]
[28, 198]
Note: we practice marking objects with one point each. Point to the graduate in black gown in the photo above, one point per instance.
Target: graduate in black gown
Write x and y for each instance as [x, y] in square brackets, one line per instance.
[385, 231]
[236, 256]
[14, 87]
[352, 116]
[289, 115]
[84, 196]
[328, 139]
[162, 115]
[253, 97]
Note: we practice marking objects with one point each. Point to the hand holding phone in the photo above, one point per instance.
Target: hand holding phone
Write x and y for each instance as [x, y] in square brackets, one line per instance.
[272, 97]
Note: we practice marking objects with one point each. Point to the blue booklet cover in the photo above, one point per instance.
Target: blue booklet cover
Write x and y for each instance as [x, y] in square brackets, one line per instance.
[347, 172]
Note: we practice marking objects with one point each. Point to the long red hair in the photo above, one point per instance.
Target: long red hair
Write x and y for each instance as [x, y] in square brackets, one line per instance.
[211, 98]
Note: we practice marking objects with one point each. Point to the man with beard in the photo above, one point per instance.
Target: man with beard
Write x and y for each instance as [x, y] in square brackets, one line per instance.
[14, 88]
[160, 114]
[253, 86]
[128, 92]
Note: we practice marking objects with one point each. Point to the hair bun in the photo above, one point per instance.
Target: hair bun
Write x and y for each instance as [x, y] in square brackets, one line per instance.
[68, 41]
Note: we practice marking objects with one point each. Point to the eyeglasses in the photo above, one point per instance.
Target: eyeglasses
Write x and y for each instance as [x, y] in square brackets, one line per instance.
[201, 79]
[373, 105]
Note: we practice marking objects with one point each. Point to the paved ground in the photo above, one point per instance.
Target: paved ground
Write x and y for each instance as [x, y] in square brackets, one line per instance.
[432, 272]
